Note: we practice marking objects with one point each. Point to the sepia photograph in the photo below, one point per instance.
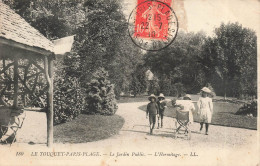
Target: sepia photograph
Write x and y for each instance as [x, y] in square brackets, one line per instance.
[129, 82]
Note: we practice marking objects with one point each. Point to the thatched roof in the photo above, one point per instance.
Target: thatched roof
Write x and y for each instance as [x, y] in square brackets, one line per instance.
[13, 27]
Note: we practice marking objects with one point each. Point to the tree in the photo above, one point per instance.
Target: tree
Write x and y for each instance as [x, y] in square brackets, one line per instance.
[153, 86]
[100, 94]
[135, 86]
[165, 84]
[179, 89]
[54, 19]
[128, 62]
[101, 33]
[179, 61]
[236, 55]
[103, 42]
[138, 83]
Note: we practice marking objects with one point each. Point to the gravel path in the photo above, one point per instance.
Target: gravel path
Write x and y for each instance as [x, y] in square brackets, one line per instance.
[223, 145]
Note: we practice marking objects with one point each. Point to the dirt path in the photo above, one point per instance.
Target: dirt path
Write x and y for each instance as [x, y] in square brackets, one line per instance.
[223, 145]
[136, 129]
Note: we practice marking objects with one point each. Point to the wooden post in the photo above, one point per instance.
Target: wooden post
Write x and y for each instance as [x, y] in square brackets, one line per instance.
[48, 67]
[15, 103]
[24, 82]
[50, 123]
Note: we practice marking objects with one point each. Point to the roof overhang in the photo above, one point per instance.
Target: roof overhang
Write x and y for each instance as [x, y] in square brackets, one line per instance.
[25, 47]
[10, 48]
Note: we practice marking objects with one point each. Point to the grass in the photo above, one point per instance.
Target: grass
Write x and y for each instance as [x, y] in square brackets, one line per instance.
[224, 115]
[88, 128]
[132, 99]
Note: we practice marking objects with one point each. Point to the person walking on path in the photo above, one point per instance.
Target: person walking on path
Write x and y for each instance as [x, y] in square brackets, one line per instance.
[186, 105]
[152, 111]
[161, 105]
[205, 109]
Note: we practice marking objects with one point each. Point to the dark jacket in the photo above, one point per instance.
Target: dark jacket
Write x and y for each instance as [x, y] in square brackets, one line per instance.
[152, 108]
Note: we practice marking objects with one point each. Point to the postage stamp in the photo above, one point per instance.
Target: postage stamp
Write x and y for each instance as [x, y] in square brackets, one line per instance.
[153, 24]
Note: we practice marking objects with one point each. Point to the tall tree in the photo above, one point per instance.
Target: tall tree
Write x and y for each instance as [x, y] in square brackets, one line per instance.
[179, 61]
[138, 84]
[104, 42]
[100, 34]
[54, 19]
[236, 55]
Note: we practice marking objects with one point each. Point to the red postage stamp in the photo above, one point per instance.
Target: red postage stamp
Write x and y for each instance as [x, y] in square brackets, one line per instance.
[153, 24]
[152, 20]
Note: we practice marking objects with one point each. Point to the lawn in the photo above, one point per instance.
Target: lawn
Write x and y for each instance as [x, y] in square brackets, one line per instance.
[88, 128]
[132, 99]
[224, 115]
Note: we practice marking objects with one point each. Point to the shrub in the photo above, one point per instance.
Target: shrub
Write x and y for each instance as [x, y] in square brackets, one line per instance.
[249, 109]
[100, 94]
[68, 98]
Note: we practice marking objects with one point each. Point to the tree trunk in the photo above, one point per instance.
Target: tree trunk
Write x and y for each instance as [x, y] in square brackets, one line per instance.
[225, 90]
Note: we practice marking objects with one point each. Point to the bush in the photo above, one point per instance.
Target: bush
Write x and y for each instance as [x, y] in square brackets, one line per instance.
[68, 98]
[100, 94]
[249, 109]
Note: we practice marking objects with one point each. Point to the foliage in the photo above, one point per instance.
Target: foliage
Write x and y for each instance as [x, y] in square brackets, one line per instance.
[100, 94]
[179, 90]
[228, 61]
[249, 109]
[165, 85]
[54, 19]
[68, 98]
[153, 86]
[135, 86]
[178, 63]
[101, 36]
[138, 83]
[102, 41]
[236, 59]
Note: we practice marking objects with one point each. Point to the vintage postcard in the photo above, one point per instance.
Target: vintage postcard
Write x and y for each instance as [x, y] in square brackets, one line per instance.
[129, 82]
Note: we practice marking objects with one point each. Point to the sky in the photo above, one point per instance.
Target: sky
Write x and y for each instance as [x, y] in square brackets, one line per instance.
[206, 15]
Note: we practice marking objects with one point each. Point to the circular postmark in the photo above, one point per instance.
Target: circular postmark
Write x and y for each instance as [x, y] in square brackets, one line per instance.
[152, 25]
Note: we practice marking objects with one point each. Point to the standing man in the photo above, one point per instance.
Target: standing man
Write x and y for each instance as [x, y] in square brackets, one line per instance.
[161, 105]
[152, 111]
